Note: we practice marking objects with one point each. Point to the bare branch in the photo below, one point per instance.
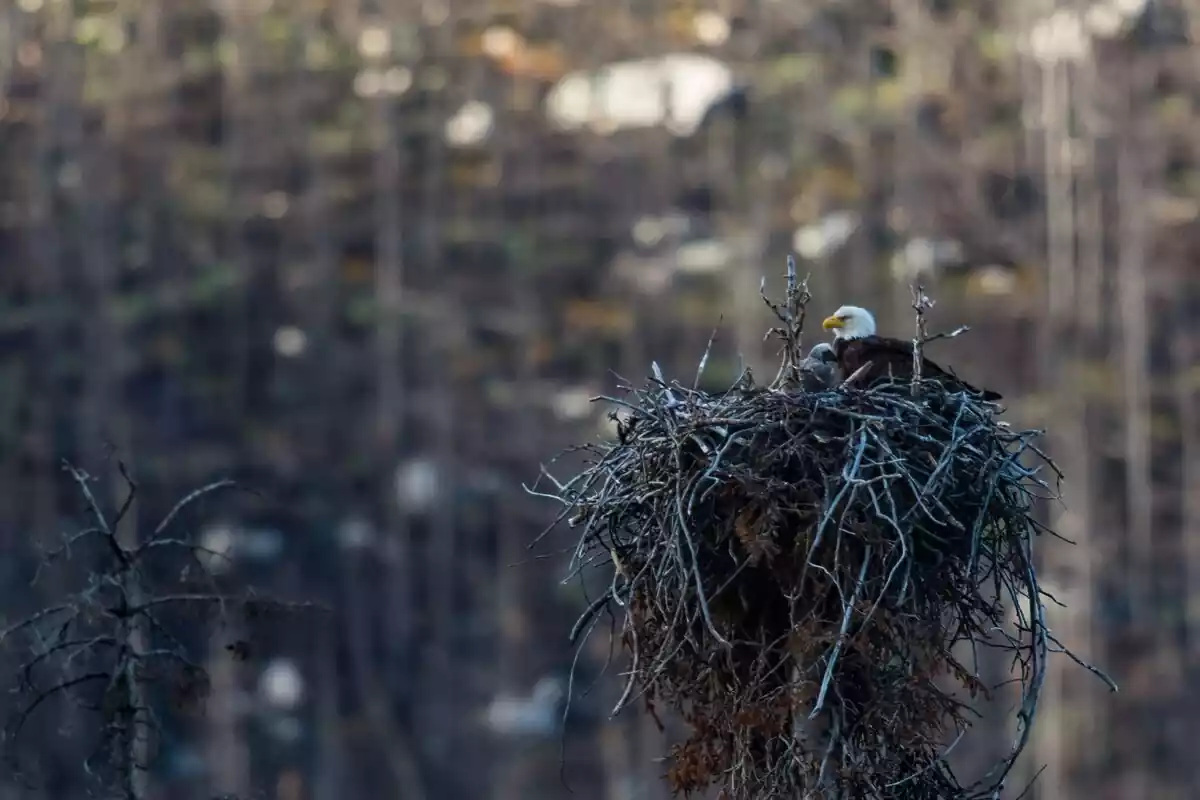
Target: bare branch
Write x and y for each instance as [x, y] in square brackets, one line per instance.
[216, 486]
[792, 313]
[58, 688]
[82, 479]
[34, 619]
[921, 303]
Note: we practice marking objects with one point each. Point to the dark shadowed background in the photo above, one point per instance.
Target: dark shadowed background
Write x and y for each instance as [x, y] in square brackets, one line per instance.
[372, 257]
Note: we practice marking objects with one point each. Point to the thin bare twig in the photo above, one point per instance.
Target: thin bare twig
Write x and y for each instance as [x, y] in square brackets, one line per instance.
[921, 303]
[792, 313]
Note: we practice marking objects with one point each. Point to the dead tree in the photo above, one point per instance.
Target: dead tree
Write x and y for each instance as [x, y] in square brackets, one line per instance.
[109, 645]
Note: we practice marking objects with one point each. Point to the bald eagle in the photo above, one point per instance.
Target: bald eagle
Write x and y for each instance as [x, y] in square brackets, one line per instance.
[855, 344]
[818, 369]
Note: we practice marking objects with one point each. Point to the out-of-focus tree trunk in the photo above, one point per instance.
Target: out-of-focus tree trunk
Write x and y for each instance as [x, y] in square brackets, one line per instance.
[511, 624]
[443, 694]
[1187, 398]
[83, 167]
[440, 725]
[509, 621]
[105, 422]
[1186, 384]
[510, 772]
[391, 413]
[227, 755]
[391, 743]
[227, 752]
[1076, 273]
[45, 244]
[1089, 734]
[42, 505]
[1054, 110]
[238, 145]
[329, 771]
[381, 695]
[754, 188]
[1133, 311]
[618, 767]
[52, 281]
[1134, 156]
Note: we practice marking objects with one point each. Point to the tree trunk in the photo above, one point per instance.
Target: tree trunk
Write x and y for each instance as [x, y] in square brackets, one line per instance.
[1057, 356]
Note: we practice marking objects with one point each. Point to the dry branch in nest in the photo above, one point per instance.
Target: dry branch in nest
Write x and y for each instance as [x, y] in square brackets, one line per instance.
[808, 579]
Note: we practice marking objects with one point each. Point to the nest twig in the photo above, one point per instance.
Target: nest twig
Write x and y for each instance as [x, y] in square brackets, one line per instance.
[809, 579]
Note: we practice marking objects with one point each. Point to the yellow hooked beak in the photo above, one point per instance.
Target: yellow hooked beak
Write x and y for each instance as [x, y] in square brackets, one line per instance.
[831, 323]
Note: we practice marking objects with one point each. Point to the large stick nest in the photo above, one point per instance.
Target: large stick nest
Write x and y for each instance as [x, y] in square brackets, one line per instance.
[808, 579]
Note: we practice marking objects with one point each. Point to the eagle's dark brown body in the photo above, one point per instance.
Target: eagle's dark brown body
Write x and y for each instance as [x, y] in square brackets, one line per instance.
[894, 358]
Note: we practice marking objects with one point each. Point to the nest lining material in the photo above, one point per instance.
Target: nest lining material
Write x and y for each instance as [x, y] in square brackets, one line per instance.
[809, 579]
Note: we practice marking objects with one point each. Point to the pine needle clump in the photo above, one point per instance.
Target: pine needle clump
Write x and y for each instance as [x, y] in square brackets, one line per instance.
[808, 580]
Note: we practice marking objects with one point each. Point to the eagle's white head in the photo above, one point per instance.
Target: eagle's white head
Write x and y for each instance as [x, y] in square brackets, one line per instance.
[850, 322]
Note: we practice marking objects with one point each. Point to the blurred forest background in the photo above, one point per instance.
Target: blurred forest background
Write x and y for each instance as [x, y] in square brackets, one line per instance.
[372, 257]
